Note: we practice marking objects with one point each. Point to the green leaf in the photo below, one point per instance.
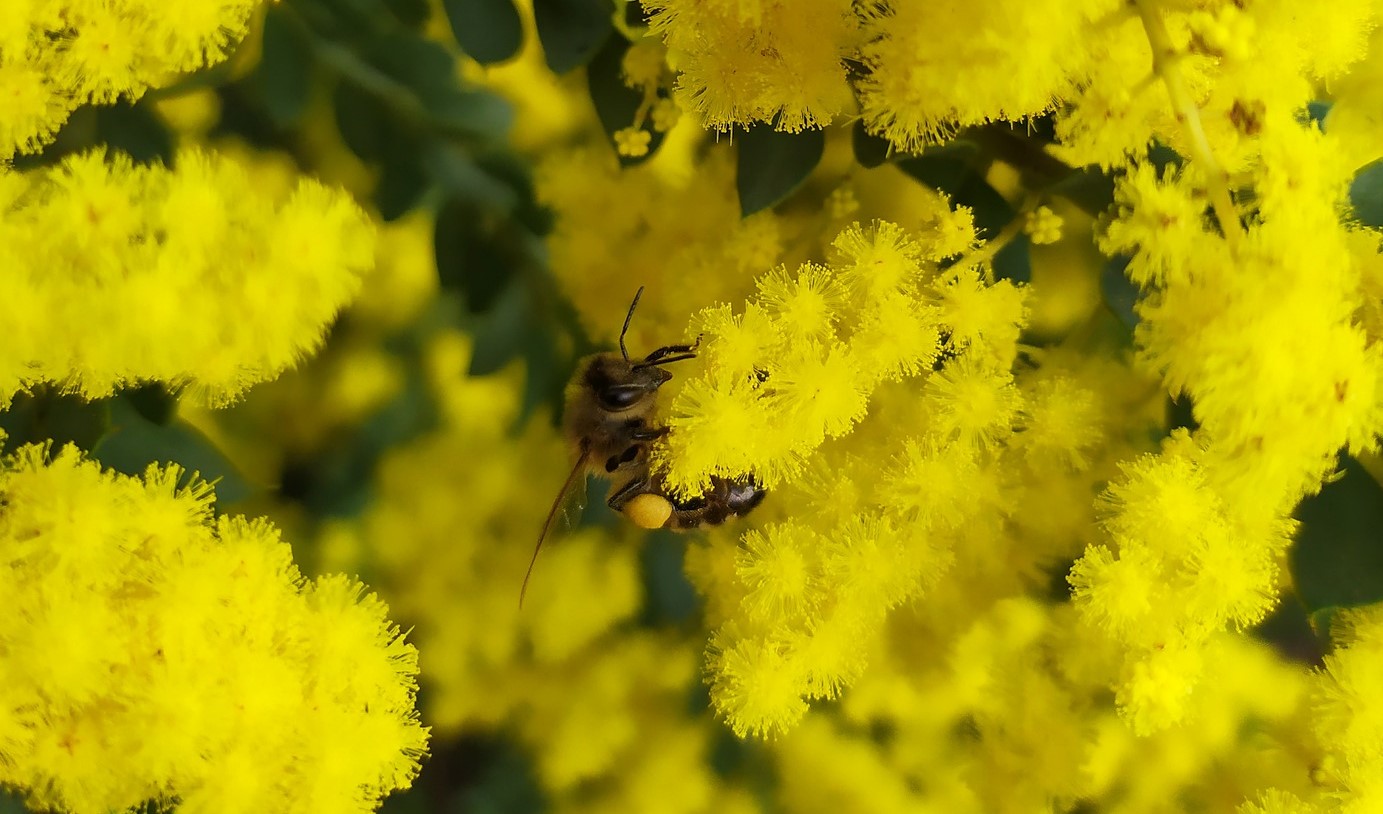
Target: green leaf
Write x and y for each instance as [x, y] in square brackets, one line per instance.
[402, 182]
[572, 31]
[1317, 111]
[153, 401]
[457, 172]
[284, 74]
[1338, 557]
[47, 415]
[499, 336]
[471, 114]
[135, 442]
[1120, 293]
[616, 104]
[135, 130]
[544, 382]
[1014, 261]
[1366, 195]
[429, 71]
[957, 170]
[413, 82]
[469, 257]
[517, 175]
[771, 165]
[670, 597]
[12, 802]
[412, 13]
[1090, 188]
[870, 150]
[1323, 623]
[488, 30]
[366, 124]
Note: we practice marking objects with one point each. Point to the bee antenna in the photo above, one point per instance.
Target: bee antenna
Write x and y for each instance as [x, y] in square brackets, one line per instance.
[627, 317]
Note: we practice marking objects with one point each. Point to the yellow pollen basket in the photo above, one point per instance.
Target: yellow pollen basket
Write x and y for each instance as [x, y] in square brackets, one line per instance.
[648, 511]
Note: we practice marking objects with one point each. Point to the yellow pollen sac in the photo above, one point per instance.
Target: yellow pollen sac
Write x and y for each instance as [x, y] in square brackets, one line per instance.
[648, 511]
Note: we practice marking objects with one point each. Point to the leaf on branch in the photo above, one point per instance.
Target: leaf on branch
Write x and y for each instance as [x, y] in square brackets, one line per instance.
[771, 165]
[489, 31]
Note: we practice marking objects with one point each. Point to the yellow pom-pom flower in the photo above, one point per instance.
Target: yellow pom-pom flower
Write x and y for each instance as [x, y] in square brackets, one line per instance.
[56, 56]
[194, 276]
[157, 654]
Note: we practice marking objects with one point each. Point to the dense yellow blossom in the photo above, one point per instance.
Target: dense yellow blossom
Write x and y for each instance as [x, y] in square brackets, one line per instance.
[781, 62]
[196, 276]
[985, 577]
[451, 532]
[1216, 79]
[613, 235]
[55, 56]
[1347, 718]
[154, 653]
[1018, 61]
[1260, 329]
[814, 594]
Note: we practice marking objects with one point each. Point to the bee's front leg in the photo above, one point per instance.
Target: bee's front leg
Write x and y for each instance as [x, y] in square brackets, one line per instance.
[622, 495]
[672, 353]
[640, 501]
[640, 431]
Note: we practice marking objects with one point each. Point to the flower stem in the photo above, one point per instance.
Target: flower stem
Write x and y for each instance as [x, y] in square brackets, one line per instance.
[1164, 65]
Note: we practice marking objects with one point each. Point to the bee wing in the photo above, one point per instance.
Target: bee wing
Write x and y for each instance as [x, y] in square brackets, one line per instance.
[572, 502]
[559, 504]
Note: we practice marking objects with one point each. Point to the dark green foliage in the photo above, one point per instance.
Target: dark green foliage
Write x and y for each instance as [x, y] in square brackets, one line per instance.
[1366, 195]
[47, 414]
[572, 30]
[487, 30]
[1338, 557]
[136, 131]
[1120, 293]
[616, 104]
[771, 164]
[1014, 261]
[134, 443]
[284, 73]
[958, 170]
[870, 150]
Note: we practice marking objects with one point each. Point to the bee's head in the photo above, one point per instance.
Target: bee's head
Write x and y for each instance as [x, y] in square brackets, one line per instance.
[620, 386]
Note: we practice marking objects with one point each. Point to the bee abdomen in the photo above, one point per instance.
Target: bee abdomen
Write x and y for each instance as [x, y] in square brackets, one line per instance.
[726, 498]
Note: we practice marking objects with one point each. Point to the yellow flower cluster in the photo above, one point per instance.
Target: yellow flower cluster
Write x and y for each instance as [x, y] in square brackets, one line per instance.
[449, 535]
[804, 597]
[776, 61]
[1348, 716]
[1262, 327]
[613, 221]
[1347, 724]
[151, 653]
[1002, 708]
[1233, 64]
[936, 67]
[196, 276]
[58, 54]
[799, 364]
[924, 70]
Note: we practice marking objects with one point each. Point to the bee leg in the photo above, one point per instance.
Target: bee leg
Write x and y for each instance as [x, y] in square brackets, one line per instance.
[626, 493]
[616, 461]
[648, 433]
[672, 353]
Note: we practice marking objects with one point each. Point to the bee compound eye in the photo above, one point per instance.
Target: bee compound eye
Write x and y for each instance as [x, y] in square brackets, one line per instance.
[620, 397]
[648, 510]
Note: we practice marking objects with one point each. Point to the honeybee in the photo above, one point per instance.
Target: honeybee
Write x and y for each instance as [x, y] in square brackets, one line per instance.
[609, 408]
